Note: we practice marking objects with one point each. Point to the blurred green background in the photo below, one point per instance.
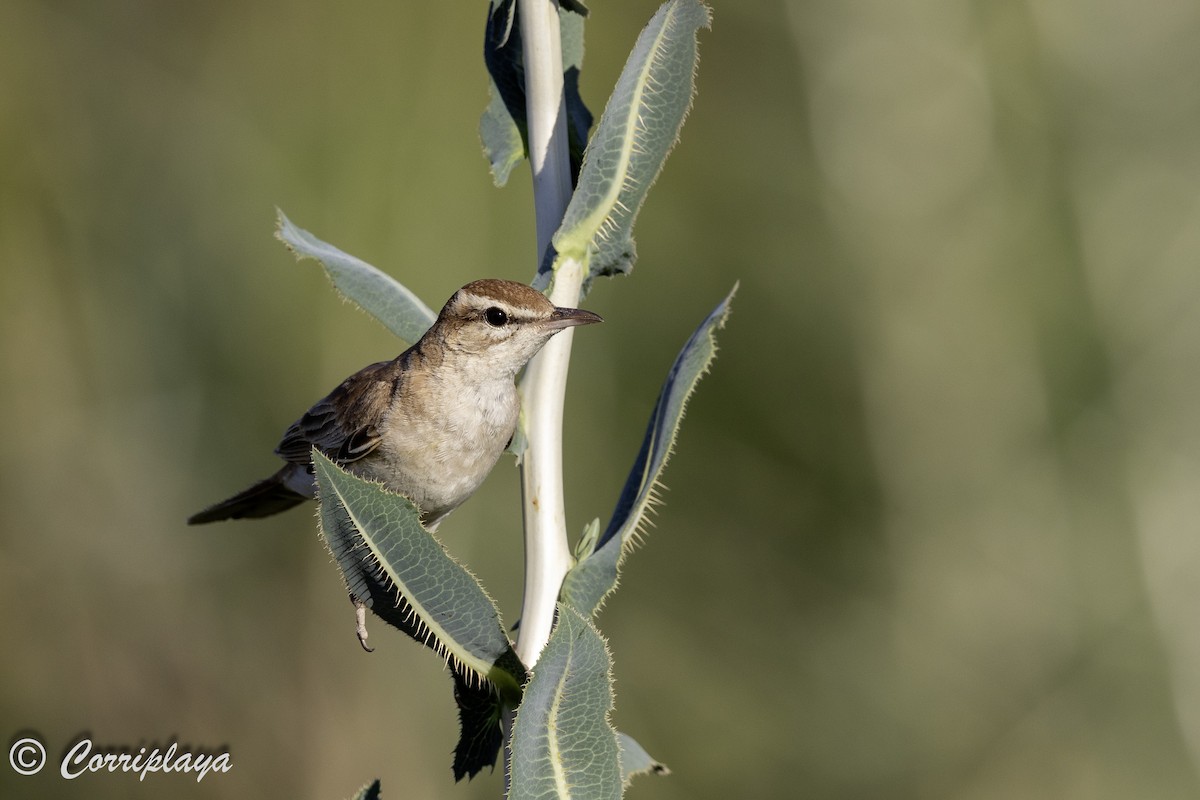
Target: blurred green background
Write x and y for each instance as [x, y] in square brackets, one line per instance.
[932, 523]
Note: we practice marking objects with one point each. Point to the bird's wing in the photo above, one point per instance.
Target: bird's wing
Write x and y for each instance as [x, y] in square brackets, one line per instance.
[344, 425]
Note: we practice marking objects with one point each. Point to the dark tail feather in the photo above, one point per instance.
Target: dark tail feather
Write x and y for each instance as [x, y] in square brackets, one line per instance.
[263, 499]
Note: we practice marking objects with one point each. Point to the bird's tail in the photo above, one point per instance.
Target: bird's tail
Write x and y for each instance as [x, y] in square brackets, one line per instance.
[263, 499]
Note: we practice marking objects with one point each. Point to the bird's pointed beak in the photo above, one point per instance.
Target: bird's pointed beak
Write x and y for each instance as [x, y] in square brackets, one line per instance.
[570, 317]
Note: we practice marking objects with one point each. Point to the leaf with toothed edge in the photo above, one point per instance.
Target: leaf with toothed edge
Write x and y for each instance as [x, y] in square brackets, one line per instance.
[369, 792]
[480, 717]
[563, 745]
[405, 576]
[379, 294]
[635, 134]
[636, 761]
[595, 574]
[503, 128]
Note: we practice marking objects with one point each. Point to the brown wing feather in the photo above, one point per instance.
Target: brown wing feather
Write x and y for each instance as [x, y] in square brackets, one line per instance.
[344, 424]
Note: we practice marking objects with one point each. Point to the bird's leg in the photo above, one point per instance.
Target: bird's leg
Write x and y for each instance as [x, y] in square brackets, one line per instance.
[360, 622]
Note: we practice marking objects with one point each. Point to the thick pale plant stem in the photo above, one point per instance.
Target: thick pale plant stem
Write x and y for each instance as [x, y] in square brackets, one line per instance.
[546, 116]
[547, 556]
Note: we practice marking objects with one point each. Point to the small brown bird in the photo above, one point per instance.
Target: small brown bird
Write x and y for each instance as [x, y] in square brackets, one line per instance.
[430, 424]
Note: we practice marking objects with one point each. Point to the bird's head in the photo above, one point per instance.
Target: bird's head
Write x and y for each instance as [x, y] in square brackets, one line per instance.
[504, 321]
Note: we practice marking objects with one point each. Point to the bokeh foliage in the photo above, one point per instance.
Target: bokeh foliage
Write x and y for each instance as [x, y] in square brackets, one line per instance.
[948, 471]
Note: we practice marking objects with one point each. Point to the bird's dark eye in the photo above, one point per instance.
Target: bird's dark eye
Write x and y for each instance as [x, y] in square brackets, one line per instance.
[495, 317]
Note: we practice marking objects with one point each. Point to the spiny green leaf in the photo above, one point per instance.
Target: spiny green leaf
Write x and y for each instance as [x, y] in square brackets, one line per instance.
[636, 761]
[369, 792]
[480, 713]
[591, 580]
[372, 290]
[587, 541]
[562, 743]
[639, 127]
[503, 127]
[405, 576]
